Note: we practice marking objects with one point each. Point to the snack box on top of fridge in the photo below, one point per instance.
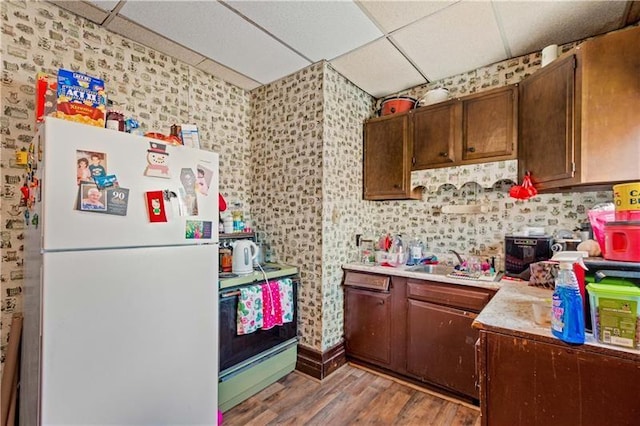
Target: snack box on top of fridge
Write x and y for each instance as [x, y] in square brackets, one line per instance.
[80, 98]
[46, 94]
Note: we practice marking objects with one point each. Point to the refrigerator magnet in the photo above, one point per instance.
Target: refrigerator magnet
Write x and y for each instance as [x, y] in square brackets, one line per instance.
[117, 201]
[188, 179]
[108, 181]
[158, 161]
[91, 199]
[155, 206]
[203, 179]
[198, 229]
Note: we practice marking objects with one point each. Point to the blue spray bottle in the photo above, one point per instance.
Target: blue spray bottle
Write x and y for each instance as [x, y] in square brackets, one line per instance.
[567, 315]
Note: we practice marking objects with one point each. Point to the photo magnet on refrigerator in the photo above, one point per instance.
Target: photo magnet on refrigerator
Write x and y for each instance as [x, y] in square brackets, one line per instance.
[155, 206]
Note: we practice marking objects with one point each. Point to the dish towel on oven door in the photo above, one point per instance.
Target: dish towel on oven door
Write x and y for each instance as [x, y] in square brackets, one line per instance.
[271, 307]
[250, 317]
[286, 299]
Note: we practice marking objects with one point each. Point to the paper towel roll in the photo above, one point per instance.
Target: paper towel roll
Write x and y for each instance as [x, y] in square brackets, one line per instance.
[549, 53]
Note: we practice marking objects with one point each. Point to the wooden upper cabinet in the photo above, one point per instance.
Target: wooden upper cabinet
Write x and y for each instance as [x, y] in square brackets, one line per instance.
[435, 131]
[473, 129]
[489, 125]
[578, 120]
[387, 158]
[546, 131]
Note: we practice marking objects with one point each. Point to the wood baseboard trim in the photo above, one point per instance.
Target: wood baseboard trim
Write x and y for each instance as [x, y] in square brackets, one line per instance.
[320, 364]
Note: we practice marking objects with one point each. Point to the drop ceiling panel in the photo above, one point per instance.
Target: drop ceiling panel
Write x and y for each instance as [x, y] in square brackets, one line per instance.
[216, 32]
[530, 26]
[392, 15]
[106, 4]
[86, 10]
[227, 74]
[378, 68]
[150, 39]
[460, 38]
[316, 29]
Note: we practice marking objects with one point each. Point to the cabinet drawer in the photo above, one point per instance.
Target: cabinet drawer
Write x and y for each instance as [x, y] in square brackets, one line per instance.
[473, 299]
[362, 280]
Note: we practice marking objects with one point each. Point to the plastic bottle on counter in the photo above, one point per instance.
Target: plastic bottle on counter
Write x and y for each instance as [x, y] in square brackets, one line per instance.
[416, 251]
[397, 255]
[567, 315]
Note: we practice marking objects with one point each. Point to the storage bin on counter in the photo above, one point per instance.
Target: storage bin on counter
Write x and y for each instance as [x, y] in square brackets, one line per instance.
[622, 241]
[615, 314]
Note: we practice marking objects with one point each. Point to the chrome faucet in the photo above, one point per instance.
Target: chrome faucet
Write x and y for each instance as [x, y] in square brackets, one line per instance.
[460, 261]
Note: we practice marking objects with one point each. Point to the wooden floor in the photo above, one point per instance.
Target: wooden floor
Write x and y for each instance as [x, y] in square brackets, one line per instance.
[348, 396]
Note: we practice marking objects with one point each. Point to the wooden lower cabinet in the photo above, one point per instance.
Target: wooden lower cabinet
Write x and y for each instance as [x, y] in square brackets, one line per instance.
[415, 329]
[440, 346]
[374, 319]
[528, 382]
[367, 325]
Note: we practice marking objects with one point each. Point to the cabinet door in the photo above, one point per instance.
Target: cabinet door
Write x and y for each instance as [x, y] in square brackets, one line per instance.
[387, 158]
[441, 346]
[547, 133]
[367, 325]
[436, 130]
[530, 383]
[489, 125]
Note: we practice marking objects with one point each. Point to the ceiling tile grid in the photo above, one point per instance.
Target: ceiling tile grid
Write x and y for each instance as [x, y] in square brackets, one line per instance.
[318, 29]
[462, 37]
[381, 46]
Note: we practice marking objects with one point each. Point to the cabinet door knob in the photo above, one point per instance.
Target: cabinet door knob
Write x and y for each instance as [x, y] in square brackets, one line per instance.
[381, 302]
[471, 149]
[444, 154]
[395, 185]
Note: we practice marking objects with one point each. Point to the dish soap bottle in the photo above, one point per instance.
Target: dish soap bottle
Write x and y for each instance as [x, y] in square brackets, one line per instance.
[567, 315]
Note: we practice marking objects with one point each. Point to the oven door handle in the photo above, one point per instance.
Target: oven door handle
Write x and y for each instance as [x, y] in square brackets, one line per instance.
[229, 294]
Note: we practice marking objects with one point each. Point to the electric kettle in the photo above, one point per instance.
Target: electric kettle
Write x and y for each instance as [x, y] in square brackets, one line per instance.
[244, 251]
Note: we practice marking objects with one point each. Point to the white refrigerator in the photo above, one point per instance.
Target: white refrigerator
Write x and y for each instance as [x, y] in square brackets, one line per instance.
[121, 299]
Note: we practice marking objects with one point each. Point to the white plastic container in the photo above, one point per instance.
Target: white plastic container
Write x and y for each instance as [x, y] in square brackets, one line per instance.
[434, 96]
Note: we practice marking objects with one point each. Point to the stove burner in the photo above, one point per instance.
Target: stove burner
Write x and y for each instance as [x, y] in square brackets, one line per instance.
[223, 275]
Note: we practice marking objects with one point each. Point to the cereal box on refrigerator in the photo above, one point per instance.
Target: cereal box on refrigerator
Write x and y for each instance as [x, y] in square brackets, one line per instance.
[81, 98]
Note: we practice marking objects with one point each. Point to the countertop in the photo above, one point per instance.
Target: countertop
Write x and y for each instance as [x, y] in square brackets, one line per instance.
[508, 312]
[405, 271]
[257, 276]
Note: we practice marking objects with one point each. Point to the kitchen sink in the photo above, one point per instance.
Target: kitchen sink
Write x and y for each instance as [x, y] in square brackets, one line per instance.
[432, 269]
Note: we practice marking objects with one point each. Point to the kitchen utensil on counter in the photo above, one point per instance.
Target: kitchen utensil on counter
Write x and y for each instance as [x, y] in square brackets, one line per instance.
[397, 104]
[565, 244]
[244, 252]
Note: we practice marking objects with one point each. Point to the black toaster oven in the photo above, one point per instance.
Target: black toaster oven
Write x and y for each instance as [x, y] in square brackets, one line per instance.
[521, 251]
